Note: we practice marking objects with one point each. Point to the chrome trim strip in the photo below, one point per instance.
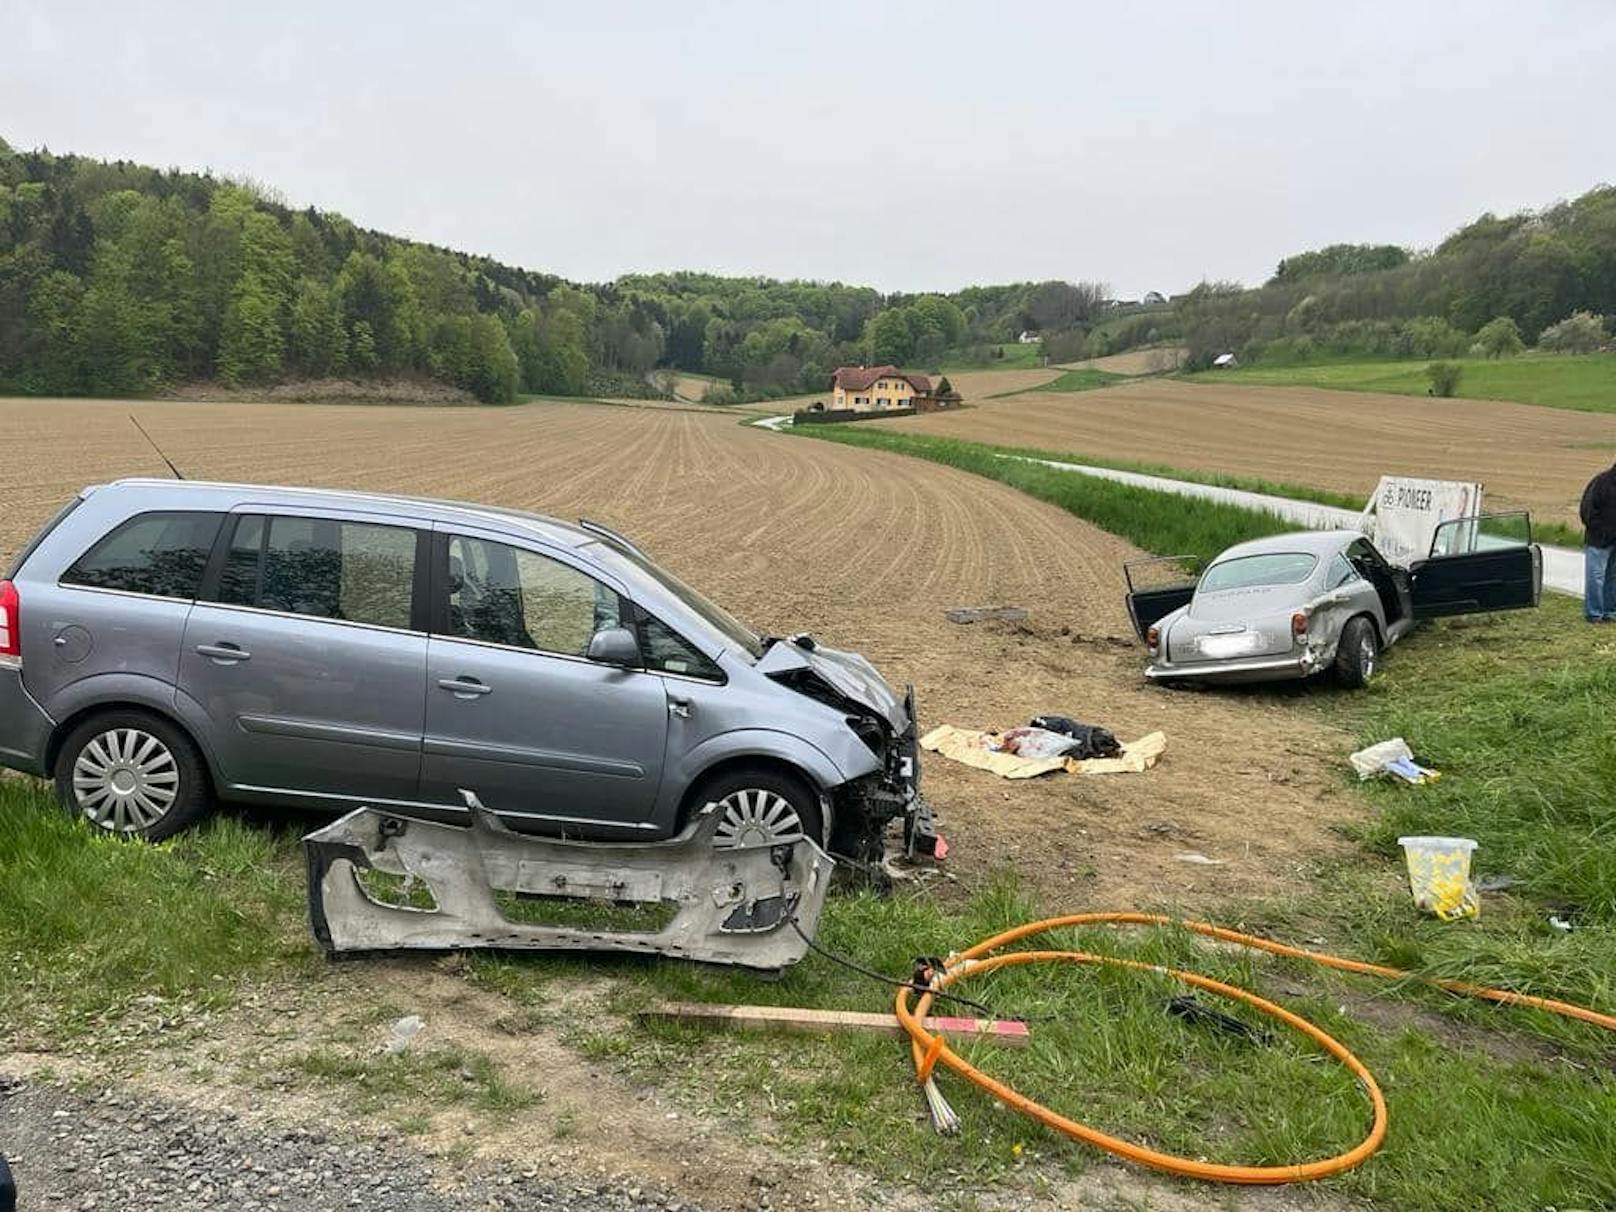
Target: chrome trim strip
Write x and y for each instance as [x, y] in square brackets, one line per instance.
[308, 618]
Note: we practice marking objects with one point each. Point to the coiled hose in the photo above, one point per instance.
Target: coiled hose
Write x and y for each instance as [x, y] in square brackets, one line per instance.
[929, 1050]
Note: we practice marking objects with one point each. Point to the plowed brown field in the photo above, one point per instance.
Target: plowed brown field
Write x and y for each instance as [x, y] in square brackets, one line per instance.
[864, 549]
[1538, 458]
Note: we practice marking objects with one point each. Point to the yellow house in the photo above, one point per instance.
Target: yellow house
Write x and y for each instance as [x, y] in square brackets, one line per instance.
[876, 388]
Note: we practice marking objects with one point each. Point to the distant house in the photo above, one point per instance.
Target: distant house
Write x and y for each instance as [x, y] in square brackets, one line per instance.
[1153, 298]
[1027, 338]
[1224, 361]
[875, 388]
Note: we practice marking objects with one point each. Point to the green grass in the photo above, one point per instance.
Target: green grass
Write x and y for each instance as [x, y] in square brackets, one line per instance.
[1085, 378]
[1016, 357]
[1583, 382]
[89, 924]
[1149, 519]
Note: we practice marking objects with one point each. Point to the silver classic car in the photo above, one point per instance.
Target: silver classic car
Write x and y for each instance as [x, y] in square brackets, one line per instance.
[1295, 605]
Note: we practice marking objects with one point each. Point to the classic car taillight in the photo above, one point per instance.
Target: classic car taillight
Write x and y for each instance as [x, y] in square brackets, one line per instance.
[1153, 638]
[1299, 624]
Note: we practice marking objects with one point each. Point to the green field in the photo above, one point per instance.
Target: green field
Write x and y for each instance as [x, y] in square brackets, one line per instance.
[1016, 357]
[1083, 379]
[1582, 382]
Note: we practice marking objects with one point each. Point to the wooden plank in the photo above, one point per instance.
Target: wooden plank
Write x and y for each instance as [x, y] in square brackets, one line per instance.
[792, 1018]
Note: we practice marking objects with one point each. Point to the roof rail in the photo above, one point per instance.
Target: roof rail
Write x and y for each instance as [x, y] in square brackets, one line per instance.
[606, 532]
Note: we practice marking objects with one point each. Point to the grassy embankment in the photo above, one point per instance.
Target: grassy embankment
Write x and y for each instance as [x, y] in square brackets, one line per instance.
[1490, 1107]
[1582, 382]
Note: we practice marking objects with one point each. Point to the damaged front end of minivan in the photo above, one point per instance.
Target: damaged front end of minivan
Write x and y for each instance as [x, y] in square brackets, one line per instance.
[865, 806]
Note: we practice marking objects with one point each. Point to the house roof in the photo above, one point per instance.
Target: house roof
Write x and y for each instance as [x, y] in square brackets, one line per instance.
[860, 378]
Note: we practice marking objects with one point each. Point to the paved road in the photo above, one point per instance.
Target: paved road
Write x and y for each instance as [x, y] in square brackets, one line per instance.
[1562, 566]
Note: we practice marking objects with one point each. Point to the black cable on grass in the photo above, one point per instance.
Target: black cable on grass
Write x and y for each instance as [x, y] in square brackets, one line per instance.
[914, 983]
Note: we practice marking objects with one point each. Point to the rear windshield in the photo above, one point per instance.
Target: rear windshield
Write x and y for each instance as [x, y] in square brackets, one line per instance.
[1270, 568]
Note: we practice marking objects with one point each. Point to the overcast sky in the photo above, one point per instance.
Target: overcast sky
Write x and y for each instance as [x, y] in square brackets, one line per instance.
[905, 145]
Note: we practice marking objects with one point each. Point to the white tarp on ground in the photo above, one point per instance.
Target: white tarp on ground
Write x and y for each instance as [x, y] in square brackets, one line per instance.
[1404, 513]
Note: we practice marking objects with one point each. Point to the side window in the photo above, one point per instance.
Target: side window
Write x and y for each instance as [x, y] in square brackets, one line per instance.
[162, 554]
[357, 572]
[666, 651]
[1341, 571]
[505, 595]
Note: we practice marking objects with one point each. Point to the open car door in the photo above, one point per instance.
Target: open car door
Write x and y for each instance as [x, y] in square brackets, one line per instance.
[1479, 564]
[1158, 587]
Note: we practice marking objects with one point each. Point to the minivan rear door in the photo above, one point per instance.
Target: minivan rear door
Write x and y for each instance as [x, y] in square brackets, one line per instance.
[304, 658]
[515, 711]
[1477, 565]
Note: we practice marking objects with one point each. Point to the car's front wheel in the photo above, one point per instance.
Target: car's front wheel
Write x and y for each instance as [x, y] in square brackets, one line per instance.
[132, 774]
[1358, 653]
[761, 807]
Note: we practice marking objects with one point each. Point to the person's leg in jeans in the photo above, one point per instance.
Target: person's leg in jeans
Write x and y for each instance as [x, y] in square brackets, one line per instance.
[1596, 589]
[1610, 584]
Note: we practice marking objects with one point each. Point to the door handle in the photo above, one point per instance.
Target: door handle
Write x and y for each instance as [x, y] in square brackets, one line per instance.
[464, 687]
[225, 653]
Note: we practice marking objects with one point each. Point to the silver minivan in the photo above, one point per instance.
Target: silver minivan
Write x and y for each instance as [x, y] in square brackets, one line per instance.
[167, 644]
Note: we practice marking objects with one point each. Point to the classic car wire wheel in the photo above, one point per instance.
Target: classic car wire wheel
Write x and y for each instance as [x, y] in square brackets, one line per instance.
[755, 817]
[125, 780]
[929, 1050]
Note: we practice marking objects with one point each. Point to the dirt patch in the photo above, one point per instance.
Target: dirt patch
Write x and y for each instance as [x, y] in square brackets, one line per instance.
[1528, 457]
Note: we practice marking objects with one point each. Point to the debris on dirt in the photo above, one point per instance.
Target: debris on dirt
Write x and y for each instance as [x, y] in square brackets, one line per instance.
[1024, 753]
[1092, 741]
[403, 1033]
[1136, 757]
[1198, 859]
[976, 614]
[1559, 923]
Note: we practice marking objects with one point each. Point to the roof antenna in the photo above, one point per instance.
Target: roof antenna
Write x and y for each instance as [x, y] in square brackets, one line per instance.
[155, 447]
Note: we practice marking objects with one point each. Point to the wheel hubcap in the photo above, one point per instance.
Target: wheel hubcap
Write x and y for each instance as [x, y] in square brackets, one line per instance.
[125, 780]
[747, 819]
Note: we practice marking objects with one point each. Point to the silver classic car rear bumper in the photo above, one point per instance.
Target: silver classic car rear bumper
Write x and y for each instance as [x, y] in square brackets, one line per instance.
[1253, 669]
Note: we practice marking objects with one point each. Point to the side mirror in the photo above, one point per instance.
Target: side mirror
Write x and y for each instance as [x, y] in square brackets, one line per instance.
[615, 646]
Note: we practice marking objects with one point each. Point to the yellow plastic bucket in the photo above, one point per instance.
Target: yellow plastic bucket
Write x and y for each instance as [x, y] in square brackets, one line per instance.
[1439, 875]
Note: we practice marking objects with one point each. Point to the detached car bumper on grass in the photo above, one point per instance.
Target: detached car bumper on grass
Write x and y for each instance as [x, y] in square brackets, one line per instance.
[1295, 605]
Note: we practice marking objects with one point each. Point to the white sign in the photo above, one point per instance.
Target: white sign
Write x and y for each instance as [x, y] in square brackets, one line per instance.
[1404, 513]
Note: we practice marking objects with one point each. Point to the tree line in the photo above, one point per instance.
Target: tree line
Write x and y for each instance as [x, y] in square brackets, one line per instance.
[1544, 277]
[121, 279]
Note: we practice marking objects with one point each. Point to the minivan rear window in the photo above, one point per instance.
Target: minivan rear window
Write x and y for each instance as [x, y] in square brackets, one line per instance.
[161, 554]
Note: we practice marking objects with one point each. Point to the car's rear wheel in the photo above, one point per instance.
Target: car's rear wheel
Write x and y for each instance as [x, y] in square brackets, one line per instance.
[1358, 653]
[132, 774]
[759, 806]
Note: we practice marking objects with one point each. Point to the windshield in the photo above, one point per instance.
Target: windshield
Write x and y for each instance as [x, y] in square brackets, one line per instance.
[1270, 568]
[714, 615]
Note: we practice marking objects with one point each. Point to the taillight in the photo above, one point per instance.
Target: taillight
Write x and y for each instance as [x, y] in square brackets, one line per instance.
[1153, 638]
[1299, 625]
[10, 621]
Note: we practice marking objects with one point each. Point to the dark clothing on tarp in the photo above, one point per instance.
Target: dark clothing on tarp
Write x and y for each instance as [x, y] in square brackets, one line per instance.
[1599, 509]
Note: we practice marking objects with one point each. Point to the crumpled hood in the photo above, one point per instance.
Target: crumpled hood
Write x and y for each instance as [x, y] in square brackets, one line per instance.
[847, 673]
[1245, 605]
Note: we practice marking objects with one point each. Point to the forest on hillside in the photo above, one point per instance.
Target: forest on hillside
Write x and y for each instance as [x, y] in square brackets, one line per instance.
[1544, 277]
[121, 279]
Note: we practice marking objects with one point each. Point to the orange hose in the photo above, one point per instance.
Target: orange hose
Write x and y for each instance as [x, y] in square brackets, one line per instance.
[929, 1050]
